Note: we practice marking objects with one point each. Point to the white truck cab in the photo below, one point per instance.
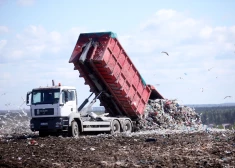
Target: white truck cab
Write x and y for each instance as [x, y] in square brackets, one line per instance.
[51, 108]
[54, 109]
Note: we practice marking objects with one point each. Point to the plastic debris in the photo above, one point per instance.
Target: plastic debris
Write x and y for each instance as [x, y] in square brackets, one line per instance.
[92, 149]
[168, 114]
[33, 142]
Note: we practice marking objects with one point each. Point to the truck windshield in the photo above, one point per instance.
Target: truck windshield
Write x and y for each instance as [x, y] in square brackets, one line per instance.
[45, 96]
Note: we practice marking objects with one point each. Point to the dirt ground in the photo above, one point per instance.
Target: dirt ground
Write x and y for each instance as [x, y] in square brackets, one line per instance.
[198, 149]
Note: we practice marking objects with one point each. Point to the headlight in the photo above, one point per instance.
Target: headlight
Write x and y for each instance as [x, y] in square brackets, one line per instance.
[59, 123]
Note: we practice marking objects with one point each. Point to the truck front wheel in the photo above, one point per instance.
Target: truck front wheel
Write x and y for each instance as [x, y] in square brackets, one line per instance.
[74, 131]
[115, 127]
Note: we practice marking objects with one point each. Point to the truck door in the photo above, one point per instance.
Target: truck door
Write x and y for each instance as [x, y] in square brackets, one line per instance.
[72, 100]
[68, 102]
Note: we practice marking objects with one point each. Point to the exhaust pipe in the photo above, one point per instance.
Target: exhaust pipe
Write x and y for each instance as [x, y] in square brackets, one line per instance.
[53, 83]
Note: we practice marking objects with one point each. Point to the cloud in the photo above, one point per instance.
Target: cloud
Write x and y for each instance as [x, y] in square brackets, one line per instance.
[206, 32]
[36, 41]
[3, 29]
[179, 34]
[2, 44]
[25, 2]
[35, 56]
[2, 2]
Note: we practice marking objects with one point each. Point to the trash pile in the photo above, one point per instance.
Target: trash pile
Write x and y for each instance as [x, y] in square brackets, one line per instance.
[14, 123]
[168, 114]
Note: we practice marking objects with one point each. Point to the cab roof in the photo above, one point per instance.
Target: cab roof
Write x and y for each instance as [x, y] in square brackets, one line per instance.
[54, 87]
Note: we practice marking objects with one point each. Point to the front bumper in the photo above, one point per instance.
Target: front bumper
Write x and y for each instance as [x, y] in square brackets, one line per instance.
[49, 124]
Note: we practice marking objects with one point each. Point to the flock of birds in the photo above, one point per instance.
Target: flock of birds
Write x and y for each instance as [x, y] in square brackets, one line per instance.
[202, 89]
[8, 105]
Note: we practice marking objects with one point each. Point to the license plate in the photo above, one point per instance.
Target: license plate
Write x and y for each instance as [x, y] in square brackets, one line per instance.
[44, 123]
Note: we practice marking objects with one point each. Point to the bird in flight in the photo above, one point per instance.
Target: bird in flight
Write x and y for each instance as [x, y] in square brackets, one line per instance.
[22, 102]
[227, 97]
[179, 78]
[165, 53]
[210, 68]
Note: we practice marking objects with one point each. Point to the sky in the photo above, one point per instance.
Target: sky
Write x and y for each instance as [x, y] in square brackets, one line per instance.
[37, 39]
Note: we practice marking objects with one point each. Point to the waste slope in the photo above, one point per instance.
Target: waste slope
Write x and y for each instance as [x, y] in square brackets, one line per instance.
[168, 114]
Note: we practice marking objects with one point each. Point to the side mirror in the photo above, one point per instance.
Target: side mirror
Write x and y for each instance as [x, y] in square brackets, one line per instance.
[27, 98]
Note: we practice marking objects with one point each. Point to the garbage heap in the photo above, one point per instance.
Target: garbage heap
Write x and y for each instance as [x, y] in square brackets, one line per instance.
[168, 114]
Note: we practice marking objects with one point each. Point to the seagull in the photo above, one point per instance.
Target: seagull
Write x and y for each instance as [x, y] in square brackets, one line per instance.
[165, 53]
[227, 97]
[179, 78]
[8, 104]
[23, 102]
[202, 89]
[210, 68]
[25, 114]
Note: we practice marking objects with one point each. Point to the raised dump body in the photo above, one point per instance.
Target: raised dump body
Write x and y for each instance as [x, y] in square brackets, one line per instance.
[106, 68]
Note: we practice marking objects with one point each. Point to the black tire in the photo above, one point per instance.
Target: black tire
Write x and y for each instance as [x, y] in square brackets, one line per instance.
[115, 128]
[74, 131]
[43, 133]
[127, 126]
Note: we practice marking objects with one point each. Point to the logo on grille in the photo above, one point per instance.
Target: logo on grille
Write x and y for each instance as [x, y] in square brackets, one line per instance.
[49, 111]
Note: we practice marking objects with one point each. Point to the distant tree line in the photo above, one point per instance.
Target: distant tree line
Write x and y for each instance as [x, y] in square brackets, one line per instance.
[217, 115]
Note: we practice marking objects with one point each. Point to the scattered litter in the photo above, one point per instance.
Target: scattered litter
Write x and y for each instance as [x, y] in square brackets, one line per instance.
[92, 149]
[32, 142]
[227, 152]
[42, 145]
[56, 164]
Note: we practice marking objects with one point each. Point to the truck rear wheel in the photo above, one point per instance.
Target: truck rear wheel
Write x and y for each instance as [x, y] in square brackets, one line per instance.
[115, 127]
[74, 131]
[127, 126]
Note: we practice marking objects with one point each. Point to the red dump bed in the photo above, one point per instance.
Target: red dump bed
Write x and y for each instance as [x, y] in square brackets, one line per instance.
[105, 66]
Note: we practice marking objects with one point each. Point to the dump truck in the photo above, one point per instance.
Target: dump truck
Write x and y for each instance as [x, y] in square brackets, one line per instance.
[112, 78]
